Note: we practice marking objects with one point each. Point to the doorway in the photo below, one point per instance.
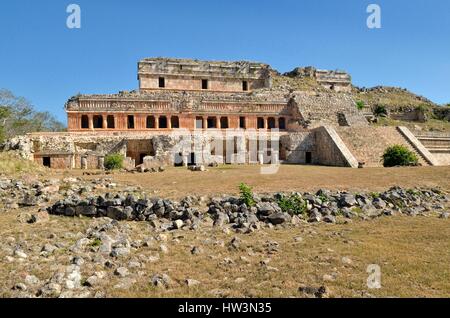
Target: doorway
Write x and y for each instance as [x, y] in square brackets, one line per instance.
[308, 158]
[46, 162]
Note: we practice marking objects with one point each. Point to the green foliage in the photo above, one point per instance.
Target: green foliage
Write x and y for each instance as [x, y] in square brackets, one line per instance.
[247, 194]
[375, 195]
[114, 161]
[399, 155]
[97, 242]
[423, 108]
[293, 204]
[380, 110]
[323, 198]
[360, 104]
[17, 117]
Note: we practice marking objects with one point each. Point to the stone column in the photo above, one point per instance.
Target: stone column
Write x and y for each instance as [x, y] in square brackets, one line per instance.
[261, 157]
[84, 162]
[218, 123]
[156, 122]
[205, 122]
[105, 121]
[169, 121]
[101, 162]
[91, 122]
[266, 125]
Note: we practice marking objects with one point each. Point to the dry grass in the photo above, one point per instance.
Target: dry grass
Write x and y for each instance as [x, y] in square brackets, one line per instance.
[11, 163]
[429, 125]
[178, 182]
[413, 254]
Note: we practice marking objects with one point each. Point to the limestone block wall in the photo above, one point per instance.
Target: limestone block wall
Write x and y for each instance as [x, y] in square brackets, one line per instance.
[318, 109]
[174, 82]
[330, 150]
[295, 146]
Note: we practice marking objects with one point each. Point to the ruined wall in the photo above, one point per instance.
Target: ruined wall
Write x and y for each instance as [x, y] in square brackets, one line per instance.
[295, 146]
[330, 150]
[318, 109]
[183, 74]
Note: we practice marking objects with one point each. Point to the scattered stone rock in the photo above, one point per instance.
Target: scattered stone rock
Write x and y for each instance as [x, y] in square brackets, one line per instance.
[192, 282]
[121, 272]
[161, 280]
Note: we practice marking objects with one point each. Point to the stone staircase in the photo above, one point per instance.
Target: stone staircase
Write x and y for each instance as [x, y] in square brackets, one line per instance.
[368, 144]
[436, 143]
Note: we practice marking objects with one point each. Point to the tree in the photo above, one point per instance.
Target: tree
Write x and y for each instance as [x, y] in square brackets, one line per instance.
[18, 117]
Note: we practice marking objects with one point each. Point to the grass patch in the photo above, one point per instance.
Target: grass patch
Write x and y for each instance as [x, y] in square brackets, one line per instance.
[11, 163]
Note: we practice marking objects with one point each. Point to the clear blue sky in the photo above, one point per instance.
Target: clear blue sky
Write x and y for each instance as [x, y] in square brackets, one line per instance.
[43, 60]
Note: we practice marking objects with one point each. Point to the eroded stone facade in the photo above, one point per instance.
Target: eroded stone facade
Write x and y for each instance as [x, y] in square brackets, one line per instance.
[219, 112]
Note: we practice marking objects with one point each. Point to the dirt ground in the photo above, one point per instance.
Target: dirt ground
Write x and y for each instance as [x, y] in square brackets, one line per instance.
[178, 182]
[413, 254]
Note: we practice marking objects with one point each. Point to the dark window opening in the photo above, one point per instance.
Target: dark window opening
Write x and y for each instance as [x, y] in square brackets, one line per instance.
[308, 157]
[260, 123]
[224, 122]
[162, 122]
[110, 121]
[199, 122]
[282, 123]
[98, 121]
[130, 122]
[192, 161]
[174, 122]
[204, 84]
[46, 162]
[212, 122]
[84, 122]
[162, 82]
[271, 123]
[245, 86]
[242, 122]
[141, 158]
[150, 122]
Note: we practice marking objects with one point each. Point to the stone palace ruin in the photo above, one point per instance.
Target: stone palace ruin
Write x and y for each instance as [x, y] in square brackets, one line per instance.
[188, 112]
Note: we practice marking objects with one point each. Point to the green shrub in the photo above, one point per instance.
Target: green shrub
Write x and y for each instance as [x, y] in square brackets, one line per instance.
[360, 104]
[114, 161]
[399, 155]
[97, 242]
[422, 108]
[380, 111]
[247, 194]
[293, 204]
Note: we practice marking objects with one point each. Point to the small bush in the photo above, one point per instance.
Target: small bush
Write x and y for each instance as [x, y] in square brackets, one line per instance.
[113, 161]
[294, 204]
[247, 194]
[380, 111]
[399, 155]
[422, 108]
[360, 105]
